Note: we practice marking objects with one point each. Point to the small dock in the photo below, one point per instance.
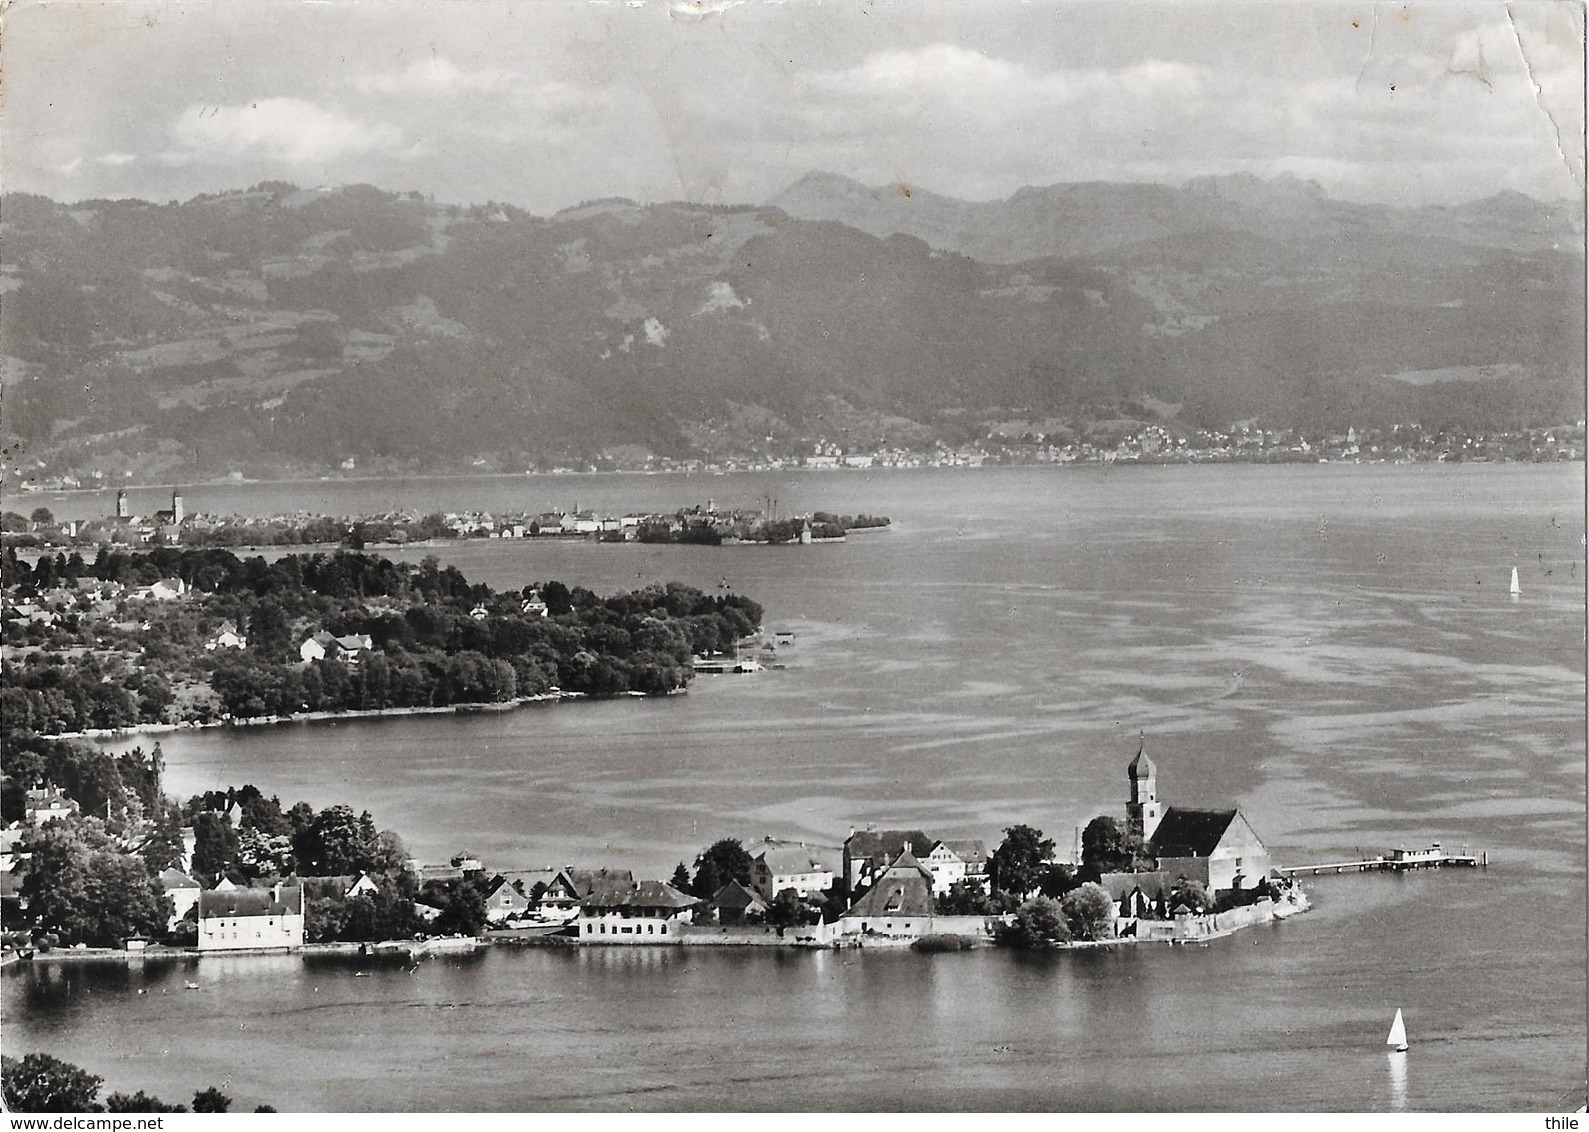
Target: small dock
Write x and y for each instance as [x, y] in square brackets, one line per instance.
[726, 664]
[1397, 861]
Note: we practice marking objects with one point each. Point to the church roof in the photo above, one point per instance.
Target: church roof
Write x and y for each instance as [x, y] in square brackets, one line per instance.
[1142, 766]
[1190, 833]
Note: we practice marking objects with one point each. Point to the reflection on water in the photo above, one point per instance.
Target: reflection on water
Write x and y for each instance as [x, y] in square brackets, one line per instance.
[1397, 1063]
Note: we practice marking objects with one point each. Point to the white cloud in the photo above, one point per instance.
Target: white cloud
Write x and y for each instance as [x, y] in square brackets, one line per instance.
[434, 75]
[283, 129]
[946, 72]
[116, 160]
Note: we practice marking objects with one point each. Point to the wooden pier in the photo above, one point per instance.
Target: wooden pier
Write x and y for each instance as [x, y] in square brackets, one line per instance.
[1397, 861]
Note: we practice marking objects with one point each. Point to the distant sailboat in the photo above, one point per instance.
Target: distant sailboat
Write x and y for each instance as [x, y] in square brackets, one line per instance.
[1398, 1034]
[1517, 589]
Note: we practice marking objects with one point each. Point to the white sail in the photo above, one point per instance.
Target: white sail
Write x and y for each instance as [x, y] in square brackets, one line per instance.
[1398, 1033]
[1516, 589]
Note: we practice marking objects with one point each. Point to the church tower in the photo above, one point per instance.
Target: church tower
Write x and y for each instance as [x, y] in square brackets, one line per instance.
[177, 513]
[1143, 810]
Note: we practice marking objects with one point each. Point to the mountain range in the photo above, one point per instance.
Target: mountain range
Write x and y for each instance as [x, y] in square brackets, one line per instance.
[281, 331]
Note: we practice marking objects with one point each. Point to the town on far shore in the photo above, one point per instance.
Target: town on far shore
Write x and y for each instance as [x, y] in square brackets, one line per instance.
[697, 525]
[244, 876]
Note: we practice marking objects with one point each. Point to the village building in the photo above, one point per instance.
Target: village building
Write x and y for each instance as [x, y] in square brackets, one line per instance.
[323, 645]
[955, 862]
[868, 852]
[338, 887]
[47, 804]
[534, 605]
[513, 895]
[779, 865]
[166, 589]
[649, 912]
[248, 919]
[734, 904]
[571, 886]
[226, 637]
[184, 893]
[898, 902]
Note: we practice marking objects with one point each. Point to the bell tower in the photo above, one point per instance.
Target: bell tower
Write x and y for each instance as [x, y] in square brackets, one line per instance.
[1142, 809]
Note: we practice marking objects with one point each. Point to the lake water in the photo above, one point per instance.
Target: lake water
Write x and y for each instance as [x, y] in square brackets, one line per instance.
[1332, 647]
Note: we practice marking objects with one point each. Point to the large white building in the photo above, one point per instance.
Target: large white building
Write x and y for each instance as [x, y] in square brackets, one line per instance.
[778, 865]
[651, 912]
[248, 919]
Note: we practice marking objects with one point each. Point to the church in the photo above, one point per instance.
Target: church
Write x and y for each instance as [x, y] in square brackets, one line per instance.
[1216, 848]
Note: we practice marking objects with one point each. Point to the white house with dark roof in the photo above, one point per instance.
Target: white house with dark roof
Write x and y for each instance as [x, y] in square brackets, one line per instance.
[47, 804]
[955, 861]
[777, 865]
[652, 911]
[571, 886]
[251, 919]
[511, 894]
[226, 637]
[183, 891]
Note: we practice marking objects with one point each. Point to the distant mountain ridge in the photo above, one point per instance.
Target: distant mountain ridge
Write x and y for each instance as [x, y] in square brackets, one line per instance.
[1094, 218]
[281, 331]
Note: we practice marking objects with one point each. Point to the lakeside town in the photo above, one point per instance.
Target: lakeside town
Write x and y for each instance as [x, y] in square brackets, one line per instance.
[246, 876]
[1018, 442]
[698, 525]
[149, 640]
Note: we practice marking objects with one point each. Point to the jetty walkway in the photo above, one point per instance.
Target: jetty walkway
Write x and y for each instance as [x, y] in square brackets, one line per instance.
[1399, 860]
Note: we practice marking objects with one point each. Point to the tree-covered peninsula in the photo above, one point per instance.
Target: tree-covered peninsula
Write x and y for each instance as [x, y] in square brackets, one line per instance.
[200, 635]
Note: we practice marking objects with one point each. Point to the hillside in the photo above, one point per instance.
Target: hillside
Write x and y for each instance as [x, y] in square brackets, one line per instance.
[279, 331]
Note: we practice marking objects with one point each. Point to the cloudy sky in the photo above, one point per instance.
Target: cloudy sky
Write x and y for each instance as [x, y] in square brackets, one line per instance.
[547, 103]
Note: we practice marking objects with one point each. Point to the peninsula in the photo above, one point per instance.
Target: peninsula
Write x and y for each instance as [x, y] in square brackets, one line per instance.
[171, 637]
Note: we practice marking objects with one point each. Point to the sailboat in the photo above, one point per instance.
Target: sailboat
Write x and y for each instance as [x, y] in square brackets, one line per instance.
[1398, 1034]
[1516, 589]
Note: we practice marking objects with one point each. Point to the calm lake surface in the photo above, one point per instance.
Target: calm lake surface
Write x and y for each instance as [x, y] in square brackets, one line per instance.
[1333, 647]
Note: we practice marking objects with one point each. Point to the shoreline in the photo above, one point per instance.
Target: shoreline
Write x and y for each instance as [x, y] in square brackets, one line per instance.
[322, 716]
[28, 487]
[1208, 931]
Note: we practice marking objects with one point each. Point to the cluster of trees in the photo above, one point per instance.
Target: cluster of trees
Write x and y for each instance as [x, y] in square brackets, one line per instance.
[38, 1082]
[93, 877]
[1055, 903]
[49, 693]
[322, 530]
[438, 639]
